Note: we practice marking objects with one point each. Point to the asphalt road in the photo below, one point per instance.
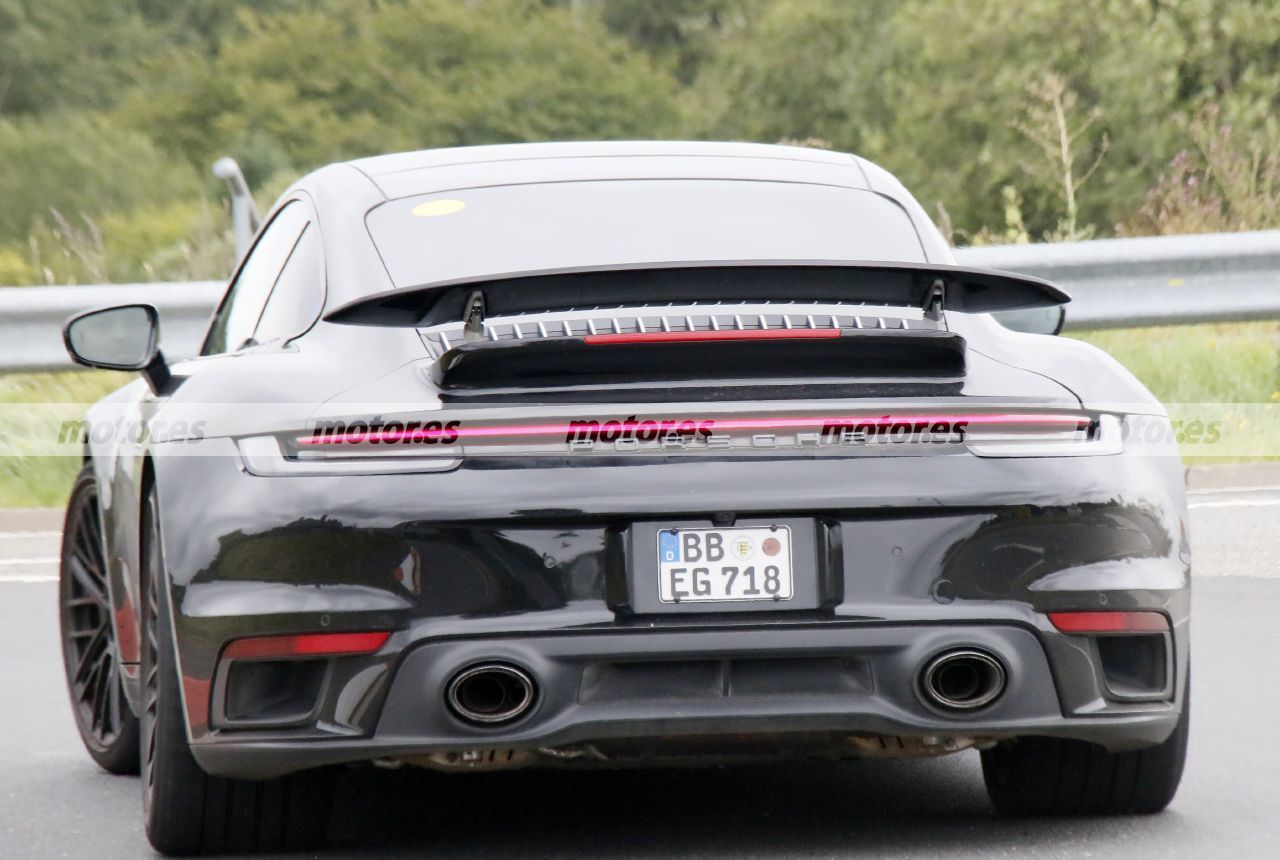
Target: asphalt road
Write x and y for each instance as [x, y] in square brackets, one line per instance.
[54, 802]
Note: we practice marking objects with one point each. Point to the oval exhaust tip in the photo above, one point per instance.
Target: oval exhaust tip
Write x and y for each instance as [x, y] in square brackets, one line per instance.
[963, 680]
[490, 693]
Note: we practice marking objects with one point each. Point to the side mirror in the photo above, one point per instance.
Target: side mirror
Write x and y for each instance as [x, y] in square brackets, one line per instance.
[1034, 320]
[120, 338]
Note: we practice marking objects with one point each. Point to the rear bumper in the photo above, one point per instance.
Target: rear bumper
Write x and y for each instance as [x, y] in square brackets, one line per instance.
[530, 564]
[782, 680]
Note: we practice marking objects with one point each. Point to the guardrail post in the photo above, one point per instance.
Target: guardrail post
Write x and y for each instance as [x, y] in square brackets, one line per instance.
[244, 212]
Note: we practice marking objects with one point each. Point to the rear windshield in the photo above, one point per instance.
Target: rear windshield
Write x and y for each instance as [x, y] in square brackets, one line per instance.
[519, 228]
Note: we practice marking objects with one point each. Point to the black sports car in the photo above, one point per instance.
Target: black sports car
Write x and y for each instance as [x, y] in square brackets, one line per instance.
[599, 454]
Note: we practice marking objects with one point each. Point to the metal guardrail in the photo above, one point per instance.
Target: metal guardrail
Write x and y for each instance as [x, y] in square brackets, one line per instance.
[1115, 283]
[1162, 280]
[31, 318]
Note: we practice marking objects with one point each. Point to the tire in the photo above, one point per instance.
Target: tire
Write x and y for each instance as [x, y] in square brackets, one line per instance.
[1055, 777]
[108, 728]
[186, 811]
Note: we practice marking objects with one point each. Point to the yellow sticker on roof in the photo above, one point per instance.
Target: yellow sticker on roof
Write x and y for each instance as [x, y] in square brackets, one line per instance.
[432, 208]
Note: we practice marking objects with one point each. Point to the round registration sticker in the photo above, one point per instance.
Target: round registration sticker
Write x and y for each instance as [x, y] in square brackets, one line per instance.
[434, 208]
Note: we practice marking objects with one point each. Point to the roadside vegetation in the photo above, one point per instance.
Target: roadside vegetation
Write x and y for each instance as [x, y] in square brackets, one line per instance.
[1044, 120]
[1032, 121]
[1225, 375]
[1200, 363]
[35, 471]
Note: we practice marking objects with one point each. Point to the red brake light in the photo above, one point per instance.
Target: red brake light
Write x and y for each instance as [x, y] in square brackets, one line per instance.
[1110, 622]
[723, 334]
[306, 645]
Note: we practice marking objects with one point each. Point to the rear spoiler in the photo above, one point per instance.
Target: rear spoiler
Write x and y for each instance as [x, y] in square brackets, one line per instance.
[933, 288]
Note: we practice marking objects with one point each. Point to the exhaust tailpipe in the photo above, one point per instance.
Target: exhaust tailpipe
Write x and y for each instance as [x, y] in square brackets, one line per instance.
[491, 693]
[963, 679]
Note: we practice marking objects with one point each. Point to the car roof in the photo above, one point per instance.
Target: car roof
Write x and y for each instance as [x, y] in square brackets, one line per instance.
[347, 192]
[435, 170]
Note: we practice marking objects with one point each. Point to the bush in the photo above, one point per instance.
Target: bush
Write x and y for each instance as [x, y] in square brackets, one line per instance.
[302, 89]
[81, 165]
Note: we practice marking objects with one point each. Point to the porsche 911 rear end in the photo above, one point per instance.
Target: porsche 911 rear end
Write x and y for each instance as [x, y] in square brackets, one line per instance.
[713, 531]
[727, 531]
[664, 501]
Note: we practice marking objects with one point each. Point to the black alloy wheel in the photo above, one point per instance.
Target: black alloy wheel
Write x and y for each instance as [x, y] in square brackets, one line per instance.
[107, 727]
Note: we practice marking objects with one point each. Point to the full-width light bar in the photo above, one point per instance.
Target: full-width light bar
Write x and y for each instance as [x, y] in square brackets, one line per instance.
[1110, 622]
[306, 645]
[717, 335]
[1052, 422]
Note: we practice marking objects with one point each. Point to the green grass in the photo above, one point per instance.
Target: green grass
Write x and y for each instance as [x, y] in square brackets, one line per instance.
[70, 386]
[1237, 363]
[1224, 379]
[1207, 364]
[43, 480]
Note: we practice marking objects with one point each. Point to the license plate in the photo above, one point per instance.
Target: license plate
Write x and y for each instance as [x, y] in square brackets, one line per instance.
[724, 564]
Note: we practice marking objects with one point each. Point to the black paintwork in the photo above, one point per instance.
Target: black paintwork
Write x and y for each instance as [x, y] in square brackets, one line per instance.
[906, 357]
[526, 558]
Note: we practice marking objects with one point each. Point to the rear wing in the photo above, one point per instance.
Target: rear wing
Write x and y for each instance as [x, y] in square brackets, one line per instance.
[932, 288]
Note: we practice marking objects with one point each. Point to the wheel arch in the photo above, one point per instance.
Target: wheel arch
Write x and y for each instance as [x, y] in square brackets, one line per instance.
[193, 692]
[127, 619]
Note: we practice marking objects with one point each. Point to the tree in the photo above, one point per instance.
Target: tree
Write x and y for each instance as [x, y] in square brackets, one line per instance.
[65, 53]
[935, 90]
[299, 89]
[82, 164]
[683, 33]
[802, 69]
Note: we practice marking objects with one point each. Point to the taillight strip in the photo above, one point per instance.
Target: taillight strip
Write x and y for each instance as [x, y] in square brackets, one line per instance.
[1042, 421]
[722, 334]
[306, 645]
